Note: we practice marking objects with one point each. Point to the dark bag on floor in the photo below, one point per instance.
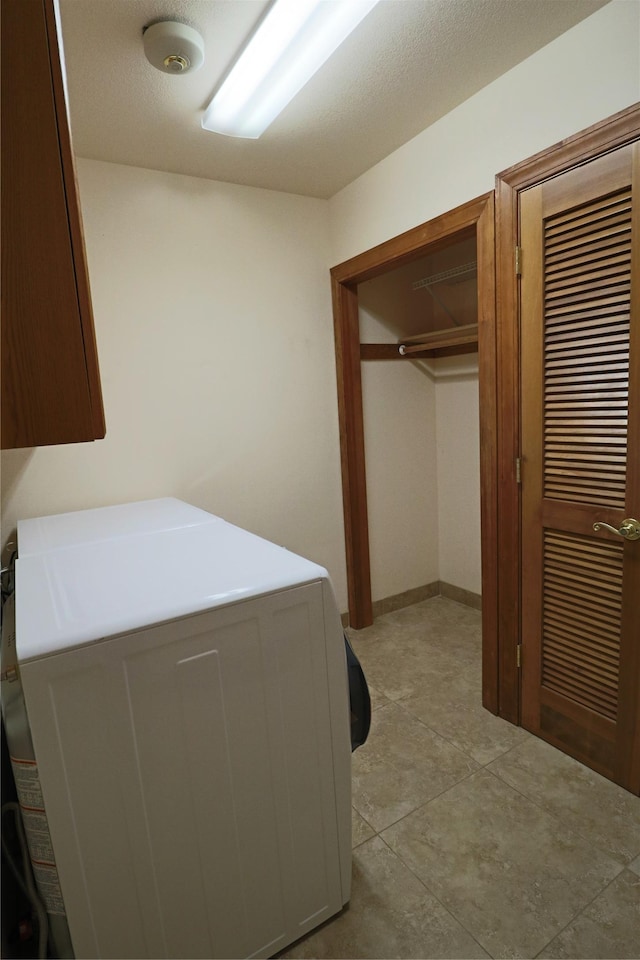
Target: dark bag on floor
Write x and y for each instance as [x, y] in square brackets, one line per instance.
[359, 699]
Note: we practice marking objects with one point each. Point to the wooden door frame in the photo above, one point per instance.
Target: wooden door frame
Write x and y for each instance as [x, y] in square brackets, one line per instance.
[473, 218]
[616, 131]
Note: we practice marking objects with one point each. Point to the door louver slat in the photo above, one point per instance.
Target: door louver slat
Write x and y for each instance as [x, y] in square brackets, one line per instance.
[613, 256]
[568, 591]
[620, 378]
[582, 359]
[568, 641]
[585, 325]
[584, 346]
[594, 307]
[580, 240]
[566, 393]
[570, 634]
[602, 203]
[566, 290]
[602, 315]
[581, 619]
[594, 222]
[568, 345]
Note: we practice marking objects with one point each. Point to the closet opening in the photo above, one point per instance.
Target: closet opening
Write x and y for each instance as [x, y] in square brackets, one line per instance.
[415, 351]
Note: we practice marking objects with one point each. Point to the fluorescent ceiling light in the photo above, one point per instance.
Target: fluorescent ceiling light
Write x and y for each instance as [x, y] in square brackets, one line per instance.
[293, 41]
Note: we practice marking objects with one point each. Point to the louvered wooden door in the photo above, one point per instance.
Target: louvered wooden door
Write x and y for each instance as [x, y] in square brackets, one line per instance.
[580, 373]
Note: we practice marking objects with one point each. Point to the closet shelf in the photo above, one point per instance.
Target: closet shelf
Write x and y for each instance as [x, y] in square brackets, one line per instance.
[461, 272]
[453, 275]
[460, 336]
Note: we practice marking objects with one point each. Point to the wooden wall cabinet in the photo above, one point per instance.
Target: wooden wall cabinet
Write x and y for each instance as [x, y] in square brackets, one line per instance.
[50, 379]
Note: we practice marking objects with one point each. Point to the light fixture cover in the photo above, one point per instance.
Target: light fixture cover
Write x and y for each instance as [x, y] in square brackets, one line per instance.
[291, 44]
[173, 47]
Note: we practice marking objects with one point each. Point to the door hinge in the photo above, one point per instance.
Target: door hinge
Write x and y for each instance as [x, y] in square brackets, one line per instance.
[519, 656]
[518, 470]
[518, 261]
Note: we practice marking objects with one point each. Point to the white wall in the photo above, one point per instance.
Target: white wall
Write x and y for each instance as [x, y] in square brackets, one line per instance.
[458, 461]
[584, 76]
[422, 452]
[215, 338]
[399, 406]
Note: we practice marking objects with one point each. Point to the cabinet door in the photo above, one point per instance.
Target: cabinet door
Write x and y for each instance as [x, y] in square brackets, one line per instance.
[50, 380]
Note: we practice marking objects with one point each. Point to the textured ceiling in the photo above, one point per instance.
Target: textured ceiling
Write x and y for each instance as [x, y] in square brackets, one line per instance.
[406, 65]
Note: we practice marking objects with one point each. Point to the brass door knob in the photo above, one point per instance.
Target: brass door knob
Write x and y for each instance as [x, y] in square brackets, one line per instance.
[629, 529]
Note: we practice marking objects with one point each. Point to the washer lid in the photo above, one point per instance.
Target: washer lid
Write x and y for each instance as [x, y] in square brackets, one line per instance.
[106, 523]
[92, 591]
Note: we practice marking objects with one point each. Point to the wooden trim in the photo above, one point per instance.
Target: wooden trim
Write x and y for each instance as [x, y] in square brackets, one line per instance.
[475, 218]
[460, 595]
[488, 398]
[458, 224]
[429, 591]
[615, 131]
[532, 366]
[75, 228]
[354, 483]
[398, 601]
[508, 449]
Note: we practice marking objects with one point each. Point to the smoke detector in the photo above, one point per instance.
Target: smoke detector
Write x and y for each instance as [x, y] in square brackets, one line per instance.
[173, 47]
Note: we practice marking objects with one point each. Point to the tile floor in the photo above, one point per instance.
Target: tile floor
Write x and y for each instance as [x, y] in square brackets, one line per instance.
[471, 837]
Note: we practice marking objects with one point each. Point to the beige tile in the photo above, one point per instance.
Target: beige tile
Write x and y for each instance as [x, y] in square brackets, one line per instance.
[608, 927]
[379, 627]
[401, 667]
[439, 618]
[582, 800]
[495, 855]
[431, 619]
[360, 829]
[409, 661]
[454, 710]
[378, 699]
[402, 765]
[507, 870]
[391, 914]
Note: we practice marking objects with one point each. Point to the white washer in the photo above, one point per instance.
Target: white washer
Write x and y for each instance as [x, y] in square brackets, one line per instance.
[186, 689]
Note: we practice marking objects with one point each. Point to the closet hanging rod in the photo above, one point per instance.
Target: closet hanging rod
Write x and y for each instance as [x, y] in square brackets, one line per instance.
[465, 269]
